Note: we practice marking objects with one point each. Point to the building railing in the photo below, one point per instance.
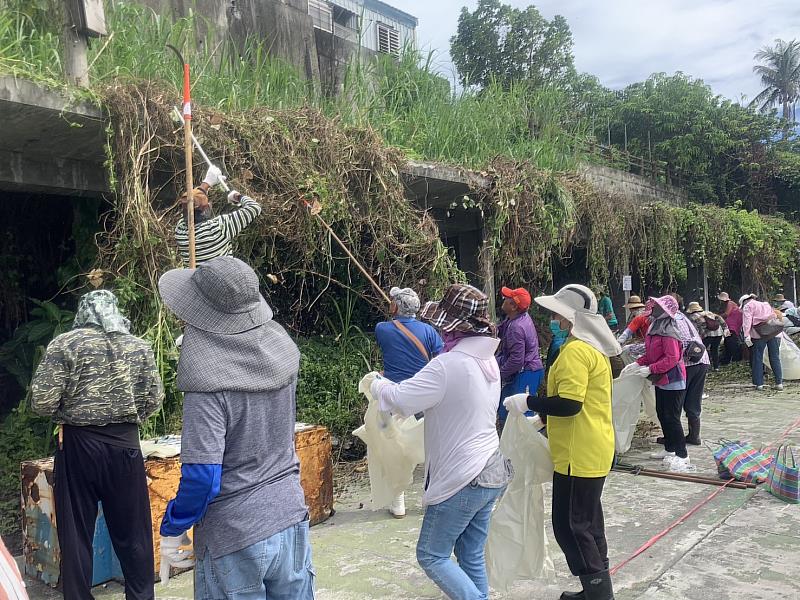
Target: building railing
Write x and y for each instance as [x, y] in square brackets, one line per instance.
[346, 33]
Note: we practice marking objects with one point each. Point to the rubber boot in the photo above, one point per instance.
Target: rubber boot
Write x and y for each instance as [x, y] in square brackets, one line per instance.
[694, 433]
[573, 595]
[597, 586]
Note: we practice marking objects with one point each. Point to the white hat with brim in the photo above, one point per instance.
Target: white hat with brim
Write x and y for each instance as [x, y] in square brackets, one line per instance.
[723, 296]
[219, 296]
[578, 305]
[746, 297]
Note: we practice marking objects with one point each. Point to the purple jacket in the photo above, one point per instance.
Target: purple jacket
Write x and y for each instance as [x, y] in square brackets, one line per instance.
[519, 346]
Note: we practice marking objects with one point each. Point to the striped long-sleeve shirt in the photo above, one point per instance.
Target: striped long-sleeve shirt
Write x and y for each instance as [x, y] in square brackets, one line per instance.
[214, 237]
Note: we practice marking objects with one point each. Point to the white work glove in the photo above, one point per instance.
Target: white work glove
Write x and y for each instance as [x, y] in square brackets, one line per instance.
[643, 372]
[517, 403]
[173, 556]
[377, 385]
[748, 341]
[631, 369]
[179, 341]
[234, 198]
[213, 176]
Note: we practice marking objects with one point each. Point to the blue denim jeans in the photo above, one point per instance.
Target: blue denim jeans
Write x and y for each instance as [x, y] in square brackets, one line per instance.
[277, 568]
[460, 524]
[773, 347]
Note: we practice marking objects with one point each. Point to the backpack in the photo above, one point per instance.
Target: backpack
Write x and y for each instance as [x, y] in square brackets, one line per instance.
[693, 353]
[711, 323]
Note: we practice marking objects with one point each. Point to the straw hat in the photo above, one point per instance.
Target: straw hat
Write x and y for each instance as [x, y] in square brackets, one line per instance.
[633, 302]
[723, 296]
[694, 307]
[779, 298]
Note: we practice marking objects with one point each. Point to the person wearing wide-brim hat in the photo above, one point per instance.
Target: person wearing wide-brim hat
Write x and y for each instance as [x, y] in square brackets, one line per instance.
[663, 363]
[732, 314]
[782, 303]
[577, 405]
[465, 472]
[712, 329]
[637, 327]
[240, 477]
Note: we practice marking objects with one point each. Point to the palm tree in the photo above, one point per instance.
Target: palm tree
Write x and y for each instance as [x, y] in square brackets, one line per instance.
[780, 76]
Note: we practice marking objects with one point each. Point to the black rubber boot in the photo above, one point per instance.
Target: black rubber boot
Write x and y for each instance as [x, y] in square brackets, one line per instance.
[694, 433]
[597, 586]
[573, 595]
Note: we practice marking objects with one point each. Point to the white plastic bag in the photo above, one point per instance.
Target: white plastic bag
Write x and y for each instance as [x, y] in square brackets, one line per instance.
[517, 547]
[790, 358]
[393, 451]
[629, 392]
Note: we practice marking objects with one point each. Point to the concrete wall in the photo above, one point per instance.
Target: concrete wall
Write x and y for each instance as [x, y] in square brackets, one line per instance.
[634, 187]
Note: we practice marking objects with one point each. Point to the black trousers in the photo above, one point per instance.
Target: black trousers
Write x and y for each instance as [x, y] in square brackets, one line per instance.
[669, 405]
[578, 522]
[88, 471]
[695, 384]
[712, 345]
[732, 350]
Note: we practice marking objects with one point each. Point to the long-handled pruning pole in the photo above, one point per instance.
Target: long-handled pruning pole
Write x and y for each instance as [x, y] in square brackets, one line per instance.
[187, 153]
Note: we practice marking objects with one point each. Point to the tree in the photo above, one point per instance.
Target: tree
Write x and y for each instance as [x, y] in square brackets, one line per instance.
[497, 42]
[780, 75]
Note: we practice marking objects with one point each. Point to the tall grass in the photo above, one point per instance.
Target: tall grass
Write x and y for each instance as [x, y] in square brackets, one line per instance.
[411, 106]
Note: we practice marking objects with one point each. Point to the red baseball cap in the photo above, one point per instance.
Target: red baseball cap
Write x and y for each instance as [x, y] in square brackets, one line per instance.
[520, 296]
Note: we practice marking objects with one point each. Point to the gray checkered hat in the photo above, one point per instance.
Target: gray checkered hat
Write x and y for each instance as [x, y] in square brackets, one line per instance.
[464, 308]
[219, 296]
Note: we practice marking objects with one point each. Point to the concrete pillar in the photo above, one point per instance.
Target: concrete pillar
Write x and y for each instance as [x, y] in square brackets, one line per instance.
[487, 275]
[76, 46]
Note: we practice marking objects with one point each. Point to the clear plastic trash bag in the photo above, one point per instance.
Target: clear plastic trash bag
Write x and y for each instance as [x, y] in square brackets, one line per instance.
[790, 358]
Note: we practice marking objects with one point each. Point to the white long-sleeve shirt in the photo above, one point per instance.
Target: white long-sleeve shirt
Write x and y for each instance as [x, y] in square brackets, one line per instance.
[458, 391]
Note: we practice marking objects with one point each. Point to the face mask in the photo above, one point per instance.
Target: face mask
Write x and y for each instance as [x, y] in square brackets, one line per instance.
[555, 327]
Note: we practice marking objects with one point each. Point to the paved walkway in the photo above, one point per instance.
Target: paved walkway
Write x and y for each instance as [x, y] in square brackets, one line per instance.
[742, 544]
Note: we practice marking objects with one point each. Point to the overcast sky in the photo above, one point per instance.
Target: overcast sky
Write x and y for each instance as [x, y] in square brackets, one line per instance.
[623, 41]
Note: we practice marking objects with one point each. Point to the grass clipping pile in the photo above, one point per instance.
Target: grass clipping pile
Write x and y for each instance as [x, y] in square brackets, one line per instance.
[278, 157]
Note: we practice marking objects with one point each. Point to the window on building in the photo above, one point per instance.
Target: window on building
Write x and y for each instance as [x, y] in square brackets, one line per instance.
[388, 39]
[344, 17]
[321, 14]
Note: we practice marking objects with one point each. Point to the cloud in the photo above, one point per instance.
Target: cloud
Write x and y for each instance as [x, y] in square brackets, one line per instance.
[624, 41]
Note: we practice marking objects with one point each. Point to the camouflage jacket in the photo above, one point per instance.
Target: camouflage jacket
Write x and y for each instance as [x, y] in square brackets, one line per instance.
[88, 377]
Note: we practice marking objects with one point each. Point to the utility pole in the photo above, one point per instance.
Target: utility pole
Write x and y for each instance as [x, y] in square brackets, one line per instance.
[76, 46]
[82, 19]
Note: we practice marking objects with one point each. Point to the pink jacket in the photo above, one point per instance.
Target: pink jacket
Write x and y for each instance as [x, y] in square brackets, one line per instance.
[754, 313]
[664, 356]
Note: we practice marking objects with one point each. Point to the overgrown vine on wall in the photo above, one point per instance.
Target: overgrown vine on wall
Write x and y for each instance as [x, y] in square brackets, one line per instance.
[536, 219]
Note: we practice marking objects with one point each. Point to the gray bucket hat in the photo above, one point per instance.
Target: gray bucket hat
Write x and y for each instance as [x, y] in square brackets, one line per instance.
[219, 296]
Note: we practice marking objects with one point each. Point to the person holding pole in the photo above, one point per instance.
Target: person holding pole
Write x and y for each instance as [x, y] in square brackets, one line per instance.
[213, 235]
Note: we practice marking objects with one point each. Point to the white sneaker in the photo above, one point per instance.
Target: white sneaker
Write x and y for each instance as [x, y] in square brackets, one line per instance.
[704, 397]
[778, 387]
[662, 454]
[760, 388]
[681, 465]
[398, 506]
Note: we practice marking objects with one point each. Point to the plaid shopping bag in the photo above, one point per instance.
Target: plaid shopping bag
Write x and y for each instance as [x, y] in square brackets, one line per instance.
[740, 461]
[784, 479]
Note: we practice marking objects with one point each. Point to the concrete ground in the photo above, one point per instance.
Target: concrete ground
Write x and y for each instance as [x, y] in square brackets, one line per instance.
[742, 544]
